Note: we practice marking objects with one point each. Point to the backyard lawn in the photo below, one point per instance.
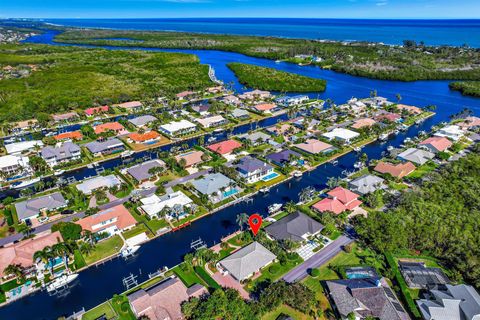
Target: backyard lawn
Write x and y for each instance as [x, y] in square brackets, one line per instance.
[122, 308]
[315, 285]
[103, 309]
[285, 310]
[140, 228]
[274, 272]
[104, 249]
[341, 259]
[188, 277]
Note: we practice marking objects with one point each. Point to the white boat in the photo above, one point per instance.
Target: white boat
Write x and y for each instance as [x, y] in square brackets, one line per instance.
[278, 61]
[90, 166]
[58, 172]
[26, 183]
[274, 208]
[264, 190]
[129, 251]
[403, 127]
[297, 174]
[383, 136]
[396, 132]
[61, 282]
[390, 148]
[357, 149]
[126, 154]
[335, 162]
[358, 165]
[218, 130]
[407, 140]
[211, 139]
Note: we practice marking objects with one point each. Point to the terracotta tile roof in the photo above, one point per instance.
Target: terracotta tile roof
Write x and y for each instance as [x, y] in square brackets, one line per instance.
[395, 170]
[225, 147]
[470, 122]
[388, 116]
[129, 105]
[92, 111]
[74, 135]
[113, 126]
[150, 135]
[347, 197]
[191, 158]
[438, 143]
[410, 109]
[184, 94]
[313, 146]
[123, 219]
[330, 205]
[265, 106]
[22, 252]
[365, 122]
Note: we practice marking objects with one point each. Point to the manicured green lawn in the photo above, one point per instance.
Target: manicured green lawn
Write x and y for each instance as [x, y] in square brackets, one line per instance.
[341, 259]
[188, 277]
[274, 272]
[422, 170]
[140, 228]
[78, 259]
[157, 224]
[103, 309]
[285, 310]
[104, 249]
[122, 307]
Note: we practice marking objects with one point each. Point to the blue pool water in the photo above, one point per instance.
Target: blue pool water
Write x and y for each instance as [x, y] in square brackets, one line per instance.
[271, 176]
[357, 276]
[230, 193]
[55, 262]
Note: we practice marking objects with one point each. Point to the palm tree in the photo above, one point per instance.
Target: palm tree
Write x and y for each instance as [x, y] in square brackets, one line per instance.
[290, 207]
[241, 220]
[59, 250]
[86, 248]
[44, 255]
[15, 270]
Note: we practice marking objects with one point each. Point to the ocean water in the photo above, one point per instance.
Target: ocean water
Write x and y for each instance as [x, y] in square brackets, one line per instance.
[432, 32]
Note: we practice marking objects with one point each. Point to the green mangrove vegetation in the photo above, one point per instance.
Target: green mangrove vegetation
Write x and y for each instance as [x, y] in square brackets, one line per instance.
[409, 62]
[468, 88]
[73, 78]
[274, 80]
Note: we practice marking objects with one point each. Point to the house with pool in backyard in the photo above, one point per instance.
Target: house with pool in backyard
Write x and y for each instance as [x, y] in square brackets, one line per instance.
[216, 186]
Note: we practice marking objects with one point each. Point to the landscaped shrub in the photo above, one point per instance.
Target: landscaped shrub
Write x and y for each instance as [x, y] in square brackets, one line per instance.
[315, 272]
[273, 269]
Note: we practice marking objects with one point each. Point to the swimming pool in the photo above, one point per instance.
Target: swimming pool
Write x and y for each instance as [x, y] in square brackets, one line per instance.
[270, 176]
[54, 262]
[230, 193]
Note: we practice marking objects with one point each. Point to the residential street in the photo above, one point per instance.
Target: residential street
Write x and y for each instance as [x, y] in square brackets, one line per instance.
[318, 259]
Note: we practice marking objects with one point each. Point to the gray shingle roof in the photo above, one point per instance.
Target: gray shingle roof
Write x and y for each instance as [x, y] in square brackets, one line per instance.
[142, 120]
[32, 207]
[140, 171]
[249, 164]
[65, 151]
[239, 113]
[366, 184]
[97, 146]
[247, 260]
[211, 183]
[293, 227]
[417, 156]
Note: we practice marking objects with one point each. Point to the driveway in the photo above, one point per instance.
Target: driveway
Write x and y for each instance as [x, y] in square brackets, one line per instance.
[228, 281]
[319, 259]
[69, 218]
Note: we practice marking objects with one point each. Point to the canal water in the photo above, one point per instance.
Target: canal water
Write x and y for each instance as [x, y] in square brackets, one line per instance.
[98, 284]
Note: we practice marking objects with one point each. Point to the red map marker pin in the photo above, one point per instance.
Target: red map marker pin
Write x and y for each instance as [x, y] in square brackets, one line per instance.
[255, 221]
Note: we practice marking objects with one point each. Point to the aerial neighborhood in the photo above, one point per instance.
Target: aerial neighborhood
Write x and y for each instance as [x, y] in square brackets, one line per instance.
[89, 186]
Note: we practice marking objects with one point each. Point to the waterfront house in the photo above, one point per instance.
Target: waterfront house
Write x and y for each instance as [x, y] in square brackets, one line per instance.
[17, 148]
[25, 126]
[255, 94]
[253, 170]
[21, 253]
[246, 262]
[451, 302]
[231, 100]
[72, 135]
[283, 129]
[225, 147]
[367, 184]
[176, 128]
[96, 110]
[141, 172]
[109, 146]
[211, 122]
[398, 170]
[469, 123]
[339, 200]
[142, 121]
[175, 201]
[285, 157]
[131, 106]
[216, 186]
[436, 144]
[452, 132]
[265, 108]
[185, 95]
[146, 138]
[110, 221]
[114, 127]
[61, 153]
[192, 158]
[88, 186]
[292, 101]
[240, 114]
[64, 116]
[256, 138]
[163, 300]
[369, 297]
[12, 164]
[409, 109]
[201, 108]
[362, 123]
[33, 207]
[341, 134]
[296, 227]
[217, 89]
[314, 146]
[416, 156]
[385, 116]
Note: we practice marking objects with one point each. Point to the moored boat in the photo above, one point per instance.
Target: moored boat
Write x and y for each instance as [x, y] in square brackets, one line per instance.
[274, 208]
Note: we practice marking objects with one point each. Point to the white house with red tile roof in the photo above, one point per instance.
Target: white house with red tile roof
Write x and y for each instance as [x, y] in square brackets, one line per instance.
[436, 144]
[112, 221]
[398, 170]
[192, 158]
[314, 146]
[347, 197]
[116, 127]
[329, 205]
[225, 147]
[96, 110]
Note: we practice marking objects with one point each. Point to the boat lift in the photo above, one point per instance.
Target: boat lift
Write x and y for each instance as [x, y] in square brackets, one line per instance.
[198, 244]
[130, 281]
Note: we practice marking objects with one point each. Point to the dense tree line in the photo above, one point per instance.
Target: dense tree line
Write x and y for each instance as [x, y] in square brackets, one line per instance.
[441, 218]
[468, 88]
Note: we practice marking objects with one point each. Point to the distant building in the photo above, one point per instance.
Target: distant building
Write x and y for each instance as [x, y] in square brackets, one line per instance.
[90, 185]
[185, 95]
[213, 121]
[111, 221]
[255, 94]
[11, 164]
[285, 157]
[247, 261]
[142, 121]
[417, 156]
[452, 132]
[130, 106]
[256, 137]
[225, 147]
[314, 146]
[72, 135]
[163, 300]
[292, 101]
[398, 170]
[176, 128]
[240, 114]
[469, 123]
[436, 144]
[452, 302]
[216, 186]
[23, 146]
[385, 116]
[231, 100]
[341, 134]
[265, 107]
[64, 116]
[65, 152]
[114, 127]
[338, 201]
[32, 208]
[409, 109]
[175, 201]
[109, 146]
[364, 122]
[191, 158]
[418, 276]
[96, 110]
[146, 138]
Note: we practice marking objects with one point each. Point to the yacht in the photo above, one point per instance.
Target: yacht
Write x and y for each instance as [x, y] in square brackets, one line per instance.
[358, 165]
[396, 132]
[274, 208]
[26, 183]
[218, 130]
[264, 190]
[357, 149]
[129, 251]
[390, 148]
[383, 136]
[126, 154]
[58, 172]
[334, 162]
[211, 139]
[297, 174]
[61, 282]
[407, 140]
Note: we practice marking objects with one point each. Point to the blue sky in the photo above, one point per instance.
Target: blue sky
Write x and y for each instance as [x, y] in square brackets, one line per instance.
[240, 8]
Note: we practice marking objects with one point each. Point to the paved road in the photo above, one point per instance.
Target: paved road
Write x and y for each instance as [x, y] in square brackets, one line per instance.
[318, 259]
[46, 226]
